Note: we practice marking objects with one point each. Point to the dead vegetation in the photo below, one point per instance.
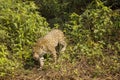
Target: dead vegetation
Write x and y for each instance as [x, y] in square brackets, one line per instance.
[82, 69]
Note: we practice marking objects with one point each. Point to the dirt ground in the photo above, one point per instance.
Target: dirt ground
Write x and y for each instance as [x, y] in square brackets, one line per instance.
[65, 70]
[35, 74]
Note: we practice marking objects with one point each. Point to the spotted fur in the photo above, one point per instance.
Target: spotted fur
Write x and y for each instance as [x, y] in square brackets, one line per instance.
[48, 44]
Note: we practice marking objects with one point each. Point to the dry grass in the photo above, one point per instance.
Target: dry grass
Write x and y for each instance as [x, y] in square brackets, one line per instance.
[83, 68]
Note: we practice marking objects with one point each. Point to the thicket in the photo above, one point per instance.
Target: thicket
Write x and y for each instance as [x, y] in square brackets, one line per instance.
[91, 27]
[20, 26]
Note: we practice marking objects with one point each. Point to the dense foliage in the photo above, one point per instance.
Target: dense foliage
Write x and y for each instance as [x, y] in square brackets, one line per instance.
[92, 29]
[20, 25]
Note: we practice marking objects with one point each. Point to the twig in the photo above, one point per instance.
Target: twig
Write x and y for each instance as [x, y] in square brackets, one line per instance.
[38, 78]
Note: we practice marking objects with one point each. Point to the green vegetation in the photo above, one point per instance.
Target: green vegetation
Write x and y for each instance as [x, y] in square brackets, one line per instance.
[20, 25]
[92, 31]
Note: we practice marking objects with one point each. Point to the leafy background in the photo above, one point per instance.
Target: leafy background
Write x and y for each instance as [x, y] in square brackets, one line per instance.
[92, 31]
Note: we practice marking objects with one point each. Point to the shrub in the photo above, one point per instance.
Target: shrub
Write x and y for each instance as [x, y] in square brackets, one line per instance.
[20, 26]
[7, 66]
[94, 29]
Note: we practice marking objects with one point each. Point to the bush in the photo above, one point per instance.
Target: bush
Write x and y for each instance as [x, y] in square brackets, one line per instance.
[7, 66]
[94, 28]
[20, 26]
